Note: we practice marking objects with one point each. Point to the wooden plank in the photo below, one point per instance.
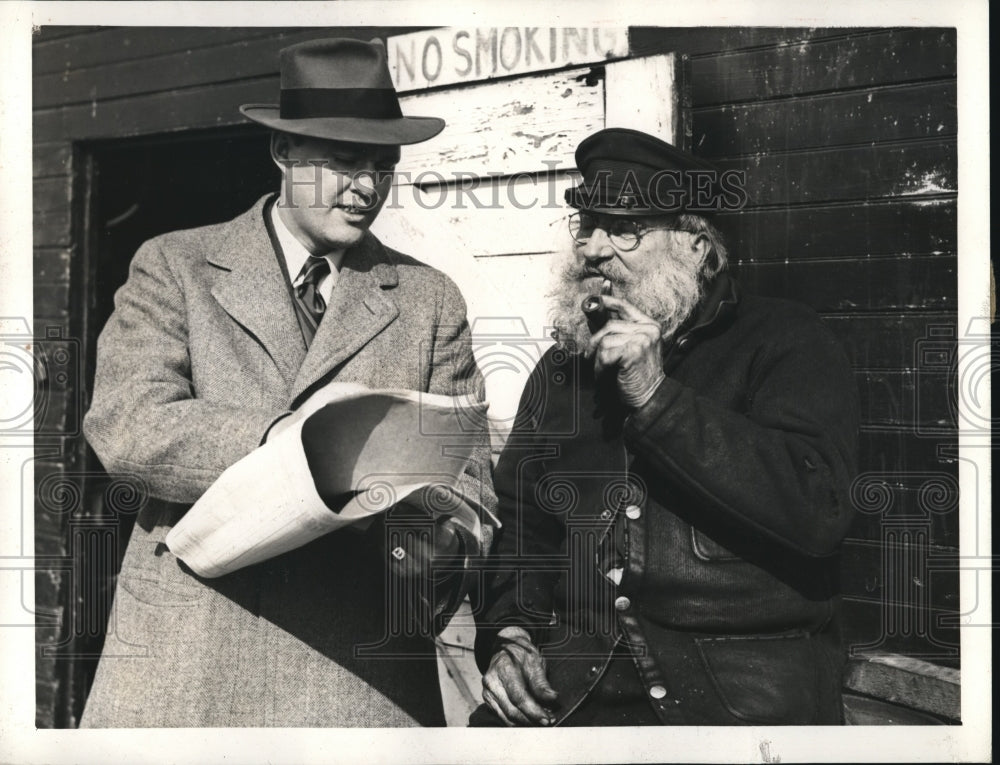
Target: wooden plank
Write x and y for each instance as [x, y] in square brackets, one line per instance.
[911, 682]
[876, 284]
[894, 227]
[861, 710]
[869, 626]
[109, 45]
[487, 131]
[477, 220]
[460, 678]
[50, 518]
[185, 68]
[50, 193]
[51, 301]
[51, 159]
[54, 413]
[904, 398]
[880, 114]
[51, 264]
[52, 214]
[204, 107]
[815, 65]
[926, 492]
[847, 174]
[646, 94]
[902, 568]
[911, 502]
[900, 450]
[529, 221]
[462, 55]
[531, 124]
[49, 32]
[887, 341]
[647, 41]
[52, 228]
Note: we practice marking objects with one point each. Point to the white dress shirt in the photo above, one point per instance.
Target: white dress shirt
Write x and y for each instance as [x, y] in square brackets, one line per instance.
[296, 255]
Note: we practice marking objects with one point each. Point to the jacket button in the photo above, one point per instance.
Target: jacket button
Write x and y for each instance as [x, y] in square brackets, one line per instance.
[623, 603]
[657, 691]
[633, 512]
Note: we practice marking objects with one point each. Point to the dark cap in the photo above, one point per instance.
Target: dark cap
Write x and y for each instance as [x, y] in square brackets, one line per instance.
[627, 172]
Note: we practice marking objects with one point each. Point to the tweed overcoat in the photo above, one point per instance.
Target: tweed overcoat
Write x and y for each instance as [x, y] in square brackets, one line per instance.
[202, 354]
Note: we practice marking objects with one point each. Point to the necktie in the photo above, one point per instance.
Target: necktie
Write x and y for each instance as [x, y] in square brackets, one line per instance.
[309, 303]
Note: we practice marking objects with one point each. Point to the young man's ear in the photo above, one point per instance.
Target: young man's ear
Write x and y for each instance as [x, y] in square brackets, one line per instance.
[280, 145]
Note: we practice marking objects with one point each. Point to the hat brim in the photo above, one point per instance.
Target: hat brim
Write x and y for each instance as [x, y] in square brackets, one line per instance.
[384, 132]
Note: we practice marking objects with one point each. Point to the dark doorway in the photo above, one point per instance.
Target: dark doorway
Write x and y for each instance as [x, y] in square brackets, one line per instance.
[137, 189]
[145, 187]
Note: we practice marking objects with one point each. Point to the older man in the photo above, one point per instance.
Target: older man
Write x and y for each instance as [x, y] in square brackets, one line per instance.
[218, 334]
[676, 484]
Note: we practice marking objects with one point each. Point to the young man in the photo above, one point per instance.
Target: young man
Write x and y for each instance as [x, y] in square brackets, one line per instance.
[676, 484]
[218, 334]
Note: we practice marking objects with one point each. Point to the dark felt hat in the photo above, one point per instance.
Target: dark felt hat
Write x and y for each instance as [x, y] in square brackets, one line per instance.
[628, 172]
[341, 89]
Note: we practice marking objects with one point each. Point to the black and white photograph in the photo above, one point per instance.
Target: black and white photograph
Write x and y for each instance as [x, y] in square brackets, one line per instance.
[605, 382]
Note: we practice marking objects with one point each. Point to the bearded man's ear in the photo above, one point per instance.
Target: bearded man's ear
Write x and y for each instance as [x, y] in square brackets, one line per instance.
[701, 246]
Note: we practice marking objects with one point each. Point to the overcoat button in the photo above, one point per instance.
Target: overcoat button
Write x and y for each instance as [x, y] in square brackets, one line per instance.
[657, 691]
[633, 512]
[605, 515]
[623, 603]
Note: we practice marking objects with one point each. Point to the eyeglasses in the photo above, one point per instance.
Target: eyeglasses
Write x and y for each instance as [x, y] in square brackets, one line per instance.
[623, 232]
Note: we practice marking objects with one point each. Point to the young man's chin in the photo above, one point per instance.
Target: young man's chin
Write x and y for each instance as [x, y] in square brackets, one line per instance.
[348, 229]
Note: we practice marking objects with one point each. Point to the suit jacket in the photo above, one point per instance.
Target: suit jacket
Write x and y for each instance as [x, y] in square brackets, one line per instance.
[721, 503]
[201, 355]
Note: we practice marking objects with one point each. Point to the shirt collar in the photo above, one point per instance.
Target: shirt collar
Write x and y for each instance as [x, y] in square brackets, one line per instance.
[294, 251]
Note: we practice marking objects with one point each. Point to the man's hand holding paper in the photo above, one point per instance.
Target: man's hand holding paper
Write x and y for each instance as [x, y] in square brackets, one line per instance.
[349, 454]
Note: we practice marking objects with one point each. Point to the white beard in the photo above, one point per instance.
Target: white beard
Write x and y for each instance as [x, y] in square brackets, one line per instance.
[667, 290]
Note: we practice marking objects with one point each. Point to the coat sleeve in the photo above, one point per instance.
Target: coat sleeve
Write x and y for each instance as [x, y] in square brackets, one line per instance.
[781, 469]
[454, 372]
[144, 418]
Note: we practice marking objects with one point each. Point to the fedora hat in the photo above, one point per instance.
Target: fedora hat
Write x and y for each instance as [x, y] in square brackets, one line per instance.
[340, 89]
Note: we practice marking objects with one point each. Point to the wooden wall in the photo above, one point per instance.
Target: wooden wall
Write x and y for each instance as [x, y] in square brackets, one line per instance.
[848, 139]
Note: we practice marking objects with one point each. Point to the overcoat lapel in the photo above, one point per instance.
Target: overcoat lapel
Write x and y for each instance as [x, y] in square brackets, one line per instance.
[358, 310]
[254, 293]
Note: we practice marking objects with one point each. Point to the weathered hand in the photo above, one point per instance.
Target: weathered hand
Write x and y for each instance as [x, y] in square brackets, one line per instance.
[515, 685]
[631, 343]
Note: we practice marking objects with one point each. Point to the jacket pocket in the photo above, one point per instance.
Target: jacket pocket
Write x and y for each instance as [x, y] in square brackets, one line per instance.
[764, 679]
[154, 576]
[150, 572]
[706, 548]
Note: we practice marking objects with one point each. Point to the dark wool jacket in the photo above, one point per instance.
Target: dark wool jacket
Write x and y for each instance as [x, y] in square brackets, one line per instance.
[722, 501]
